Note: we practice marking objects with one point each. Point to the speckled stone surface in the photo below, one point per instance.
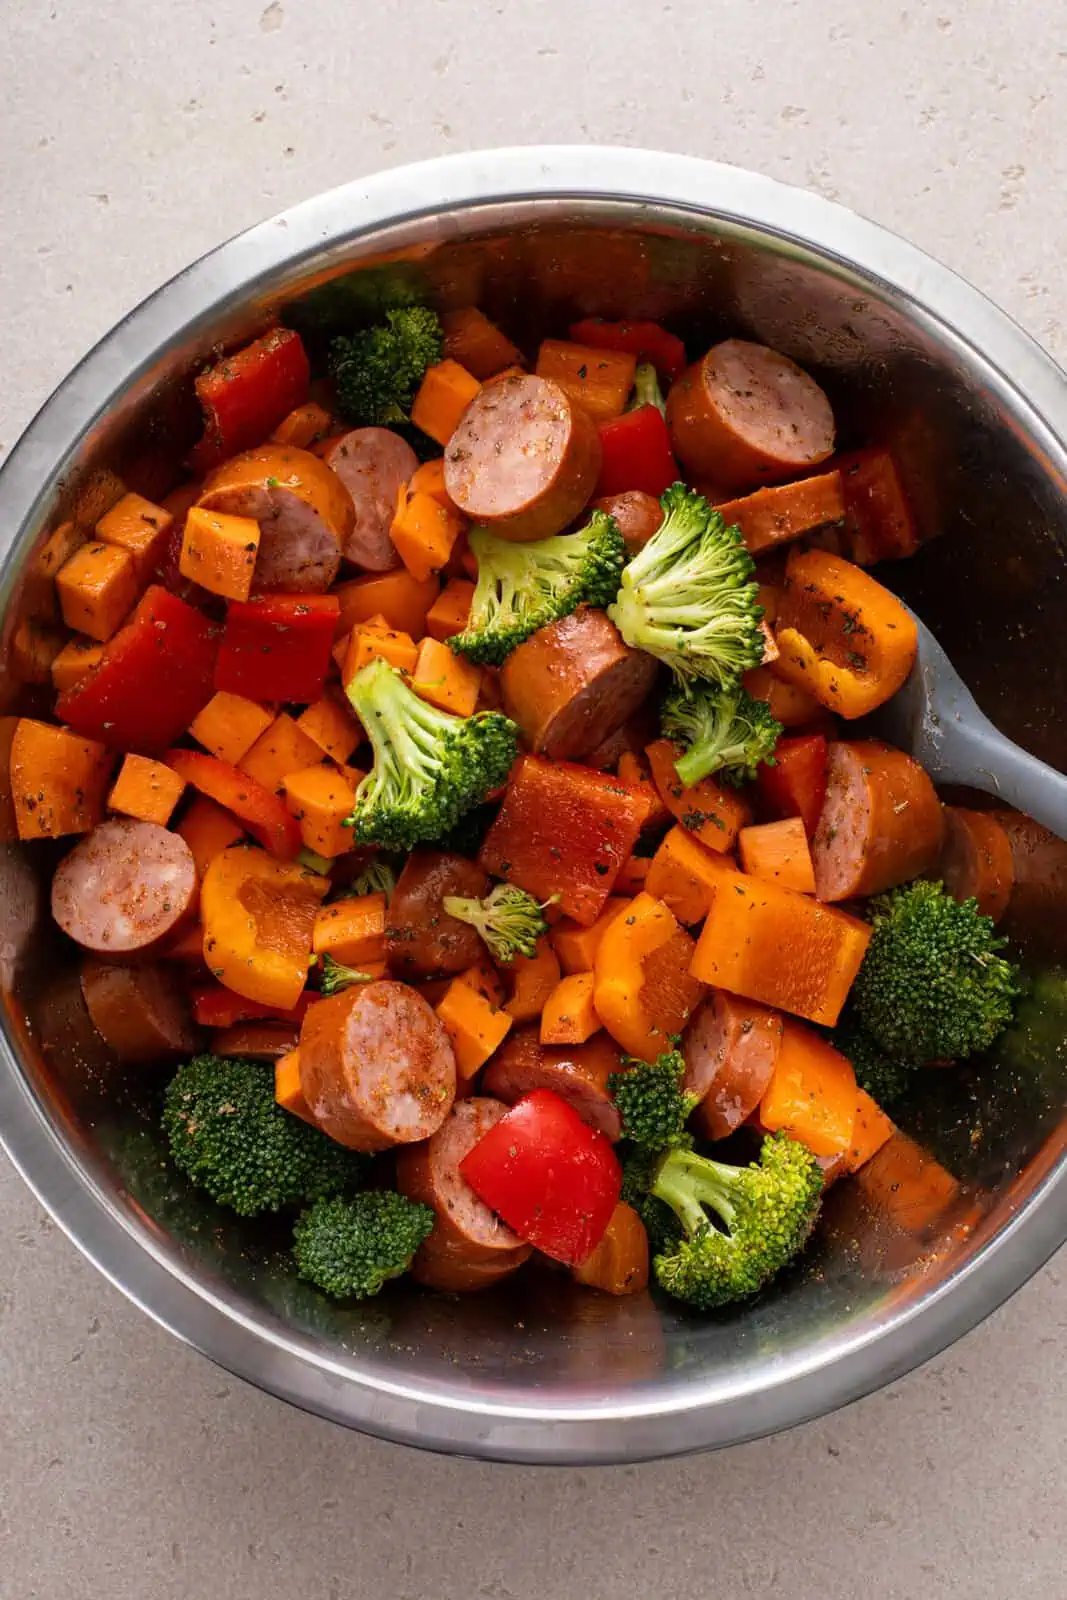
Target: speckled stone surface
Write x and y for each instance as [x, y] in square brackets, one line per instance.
[135, 135]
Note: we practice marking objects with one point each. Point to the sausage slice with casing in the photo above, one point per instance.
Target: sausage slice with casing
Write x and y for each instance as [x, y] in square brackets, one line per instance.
[637, 516]
[304, 511]
[880, 823]
[373, 464]
[421, 939]
[578, 1073]
[139, 1012]
[730, 1049]
[124, 887]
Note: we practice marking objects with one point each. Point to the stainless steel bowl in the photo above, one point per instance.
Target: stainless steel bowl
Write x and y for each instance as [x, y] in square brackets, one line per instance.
[910, 355]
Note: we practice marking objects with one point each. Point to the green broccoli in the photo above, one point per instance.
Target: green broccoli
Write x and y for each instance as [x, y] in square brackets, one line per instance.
[932, 986]
[652, 1102]
[229, 1135]
[377, 371]
[430, 767]
[508, 919]
[377, 877]
[336, 976]
[725, 731]
[314, 862]
[688, 597]
[523, 587]
[885, 1077]
[350, 1247]
[647, 391]
[768, 1210]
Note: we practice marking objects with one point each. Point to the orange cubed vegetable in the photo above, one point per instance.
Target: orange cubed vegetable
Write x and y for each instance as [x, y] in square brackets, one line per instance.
[281, 749]
[780, 948]
[139, 527]
[633, 772]
[74, 661]
[476, 343]
[905, 1183]
[219, 552]
[320, 800]
[575, 945]
[258, 915]
[598, 380]
[333, 726]
[711, 812]
[789, 704]
[430, 479]
[8, 826]
[229, 725]
[485, 978]
[445, 392]
[424, 532]
[398, 599]
[34, 648]
[683, 874]
[58, 780]
[97, 586]
[208, 830]
[533, 979]
[643, 990]
[449, 612]
[507, 372]
[619, 1264]
[843, 637]
[445, 680]
[873, 1129]
[812, 1093]
[287, 1090]
[569, 1015]
[778, 852]
[474, 1024]
[352, 931]
[39, 594]
[303, 427]
[371, 640]
[146, 790]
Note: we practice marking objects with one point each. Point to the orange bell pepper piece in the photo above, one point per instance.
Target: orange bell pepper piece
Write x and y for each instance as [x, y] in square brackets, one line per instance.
[643, 991]
[258, 915]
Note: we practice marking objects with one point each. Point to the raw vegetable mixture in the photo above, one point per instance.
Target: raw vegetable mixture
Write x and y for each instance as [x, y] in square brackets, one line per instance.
[476, 845]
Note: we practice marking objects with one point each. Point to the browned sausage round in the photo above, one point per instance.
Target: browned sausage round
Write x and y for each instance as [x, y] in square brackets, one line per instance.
[571, 684]
[880, 823]
[469, 1247]
[976, 860]
[139, 1012]
[261, 1041]
[637, 516]
[578, 1073]
[523, 459]
[730, 1049]
[633, 737]
[376, 1066]
[124, 887]
[304, 511]
[744, 415]
[1039, 882]
[373, 464]
[421, 939]
[619, 1264]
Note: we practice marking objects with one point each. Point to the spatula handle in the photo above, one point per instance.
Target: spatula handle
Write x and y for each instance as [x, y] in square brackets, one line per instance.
[978, 754]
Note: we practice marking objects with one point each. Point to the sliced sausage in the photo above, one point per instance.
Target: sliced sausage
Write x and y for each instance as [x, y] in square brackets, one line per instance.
[976, 860]
[619, 1264]
[376, 1066]
[373, 464]
[1039, 881]
[421, 939]
[880, 823]
[304, 511]
[469, 1247]
[633, 737]
[261, 1041]
[578, 1073]
[637, 516]
[573, 683]
[744, 415]
[730, 1048]
[140, 1012]
[124, 887]
[524, 459]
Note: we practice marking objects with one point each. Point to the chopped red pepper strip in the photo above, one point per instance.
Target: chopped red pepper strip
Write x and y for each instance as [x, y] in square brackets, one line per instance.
[245, 395]
[645, 340]
[636, 453]
[265, 815]
[278, 647]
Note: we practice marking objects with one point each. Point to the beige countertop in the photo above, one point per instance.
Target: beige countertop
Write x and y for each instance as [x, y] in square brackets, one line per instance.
[137, 134]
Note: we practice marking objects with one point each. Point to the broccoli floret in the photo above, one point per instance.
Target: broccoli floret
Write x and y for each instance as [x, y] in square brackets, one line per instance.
[647, 391]
[523, 587]
[508, 919]
[350, 1247]
[885, 1077]
[430, 767]
[377, 371]
[229, 1135]
[768, 1210]
[725, 731]
[651, 1101]
[932, 986]
[377, 877]
[336, 976]
[688, 597]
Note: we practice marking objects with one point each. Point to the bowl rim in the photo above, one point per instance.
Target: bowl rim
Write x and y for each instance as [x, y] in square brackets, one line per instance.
[633, 1426]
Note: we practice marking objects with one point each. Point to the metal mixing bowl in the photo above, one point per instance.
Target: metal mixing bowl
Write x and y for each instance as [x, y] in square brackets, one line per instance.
[911, 356]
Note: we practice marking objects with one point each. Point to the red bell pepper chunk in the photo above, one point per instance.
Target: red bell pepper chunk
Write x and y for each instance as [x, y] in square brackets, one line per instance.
[277, 647]
[215, 1006]
[645, 340]
[879, 525]
[553, 1179]
[636, 453]
[245, 395]
[264, 814]
[156, 675]
[796, 785]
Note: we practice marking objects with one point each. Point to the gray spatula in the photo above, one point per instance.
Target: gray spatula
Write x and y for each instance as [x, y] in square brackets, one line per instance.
[935, 718]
